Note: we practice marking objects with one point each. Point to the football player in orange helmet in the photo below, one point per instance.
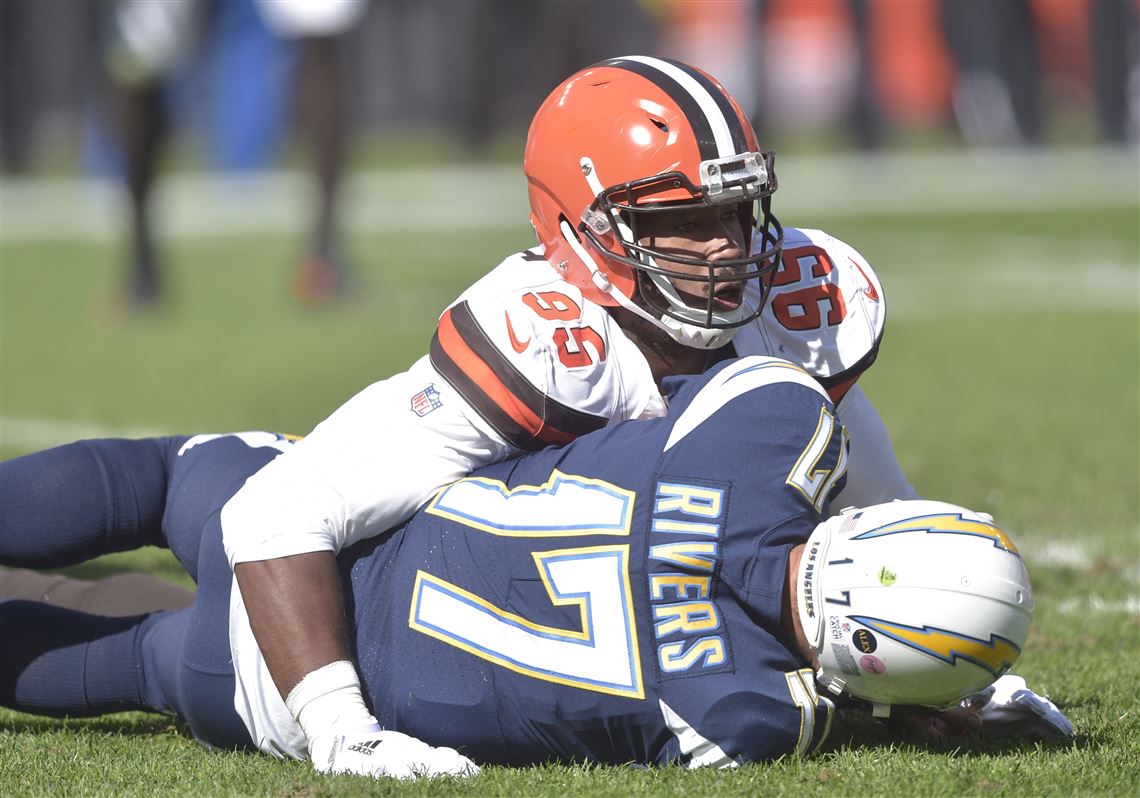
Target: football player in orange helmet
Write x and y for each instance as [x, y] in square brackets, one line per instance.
[647, 188]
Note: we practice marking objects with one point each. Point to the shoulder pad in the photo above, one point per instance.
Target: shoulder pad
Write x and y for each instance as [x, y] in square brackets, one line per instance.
[826, 312]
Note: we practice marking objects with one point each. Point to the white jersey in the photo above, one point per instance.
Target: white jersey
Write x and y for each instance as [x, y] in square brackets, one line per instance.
[826, 312]
[519, 361]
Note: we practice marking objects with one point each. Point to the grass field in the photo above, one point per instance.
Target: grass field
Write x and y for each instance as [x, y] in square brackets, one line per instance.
[1009, 379]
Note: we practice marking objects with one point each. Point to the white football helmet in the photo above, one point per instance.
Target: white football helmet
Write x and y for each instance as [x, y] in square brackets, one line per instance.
[912, 602]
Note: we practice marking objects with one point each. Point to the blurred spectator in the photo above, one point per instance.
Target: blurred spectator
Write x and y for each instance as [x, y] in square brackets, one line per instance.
[47, 51]
[1115, 40]
[1000, 72]
[997, 94]
[912, 72]
[151, 40]
[503, 55]
[867, 115]
[720, 38]
[17, 118]
[1091, 52]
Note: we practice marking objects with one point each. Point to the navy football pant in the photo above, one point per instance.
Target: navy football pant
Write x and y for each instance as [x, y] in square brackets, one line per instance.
[75, 502]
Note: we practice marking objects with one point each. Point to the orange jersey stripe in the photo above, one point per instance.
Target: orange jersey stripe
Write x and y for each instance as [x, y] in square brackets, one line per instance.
[486, 391]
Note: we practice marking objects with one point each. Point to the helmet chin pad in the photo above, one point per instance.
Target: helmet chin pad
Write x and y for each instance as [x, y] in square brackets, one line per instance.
[699, 328]
[683, 311]
[690, 335]
[917, 602]
[694, 336]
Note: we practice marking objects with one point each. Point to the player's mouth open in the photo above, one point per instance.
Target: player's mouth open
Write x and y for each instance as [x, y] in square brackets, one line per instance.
[728, 296]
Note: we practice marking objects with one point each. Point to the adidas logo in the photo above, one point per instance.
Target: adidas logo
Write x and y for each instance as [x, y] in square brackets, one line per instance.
[366, 748]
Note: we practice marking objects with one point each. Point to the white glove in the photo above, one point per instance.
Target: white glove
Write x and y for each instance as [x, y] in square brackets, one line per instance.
[1009, 708]
[344, 736]
[370, 751]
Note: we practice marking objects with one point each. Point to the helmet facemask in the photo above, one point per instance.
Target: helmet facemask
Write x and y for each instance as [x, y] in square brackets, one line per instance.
[747, 181]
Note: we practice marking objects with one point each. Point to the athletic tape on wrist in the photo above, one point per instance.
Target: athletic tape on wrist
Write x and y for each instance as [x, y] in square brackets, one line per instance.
[329, 699]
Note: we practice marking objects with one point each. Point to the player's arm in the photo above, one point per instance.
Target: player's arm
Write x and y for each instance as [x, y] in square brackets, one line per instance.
[362, 471]
[298, 598]
[873, 471]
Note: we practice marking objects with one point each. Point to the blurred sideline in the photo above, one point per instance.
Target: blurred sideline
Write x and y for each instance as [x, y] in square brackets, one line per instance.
[465, 197]
[32, 434]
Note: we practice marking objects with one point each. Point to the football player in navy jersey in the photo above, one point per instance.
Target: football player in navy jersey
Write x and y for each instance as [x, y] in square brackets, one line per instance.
[659, 591]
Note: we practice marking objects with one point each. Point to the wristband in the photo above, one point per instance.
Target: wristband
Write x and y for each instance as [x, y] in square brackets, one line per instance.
[329, 699]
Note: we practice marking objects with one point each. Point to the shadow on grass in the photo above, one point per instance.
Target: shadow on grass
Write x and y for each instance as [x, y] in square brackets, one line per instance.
[109, 566]
[132, 724]
[855, 732]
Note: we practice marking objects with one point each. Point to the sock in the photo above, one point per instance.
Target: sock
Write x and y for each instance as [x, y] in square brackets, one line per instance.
[62, 662]
[71, 503]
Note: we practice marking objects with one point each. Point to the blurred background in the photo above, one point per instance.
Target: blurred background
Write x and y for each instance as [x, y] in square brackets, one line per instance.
[286, 115]
[856, 73]
[278, 108]
[234, 214]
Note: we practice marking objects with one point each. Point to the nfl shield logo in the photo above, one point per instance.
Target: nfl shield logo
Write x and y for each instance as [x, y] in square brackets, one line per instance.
[426, 401]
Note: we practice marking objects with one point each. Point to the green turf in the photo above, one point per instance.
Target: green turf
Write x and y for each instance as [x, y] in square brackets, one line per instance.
[1009, 380]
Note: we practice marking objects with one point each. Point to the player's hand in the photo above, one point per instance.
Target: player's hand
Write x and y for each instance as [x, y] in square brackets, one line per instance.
[370, 751]
[1008, 708]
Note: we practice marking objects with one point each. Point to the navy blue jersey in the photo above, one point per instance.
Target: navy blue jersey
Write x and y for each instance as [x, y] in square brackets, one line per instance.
[616, 600]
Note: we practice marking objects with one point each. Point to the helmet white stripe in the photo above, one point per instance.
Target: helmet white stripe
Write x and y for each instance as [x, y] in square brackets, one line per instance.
[708, 105]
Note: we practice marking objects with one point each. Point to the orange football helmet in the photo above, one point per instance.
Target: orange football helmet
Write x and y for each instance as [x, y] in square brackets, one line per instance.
[637, 135]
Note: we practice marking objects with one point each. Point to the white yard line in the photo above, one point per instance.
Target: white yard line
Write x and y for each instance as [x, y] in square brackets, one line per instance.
[464, 197]
[1080, 556]
[991, 283]
[1061, 553]
[1094, 604]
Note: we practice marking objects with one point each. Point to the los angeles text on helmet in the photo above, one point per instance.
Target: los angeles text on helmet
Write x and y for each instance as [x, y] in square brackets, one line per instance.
[809, 578]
